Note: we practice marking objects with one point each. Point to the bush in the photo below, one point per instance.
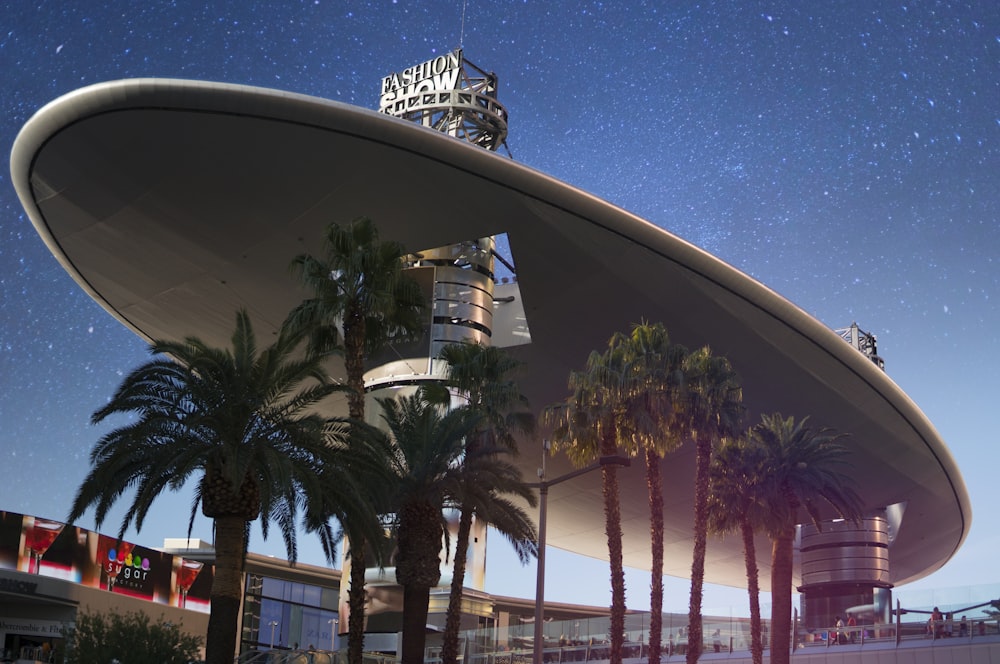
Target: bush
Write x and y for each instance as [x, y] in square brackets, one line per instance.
[130, 638]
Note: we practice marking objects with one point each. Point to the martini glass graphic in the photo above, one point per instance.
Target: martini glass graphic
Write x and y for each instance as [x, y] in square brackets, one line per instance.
[186, 575]
[38, 540]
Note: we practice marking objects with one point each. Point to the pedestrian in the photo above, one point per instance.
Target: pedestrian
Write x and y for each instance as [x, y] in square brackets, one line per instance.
[851, 625]
[717, 640]
[838, 634]
[937, 628]
[963, 627]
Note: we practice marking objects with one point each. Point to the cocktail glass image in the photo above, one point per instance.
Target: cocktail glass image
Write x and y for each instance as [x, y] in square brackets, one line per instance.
[186, 574]
[38, 539]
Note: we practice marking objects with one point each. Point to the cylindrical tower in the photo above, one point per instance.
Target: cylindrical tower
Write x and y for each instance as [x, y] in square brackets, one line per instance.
[845, 572]
[453, 96]
[459, 282]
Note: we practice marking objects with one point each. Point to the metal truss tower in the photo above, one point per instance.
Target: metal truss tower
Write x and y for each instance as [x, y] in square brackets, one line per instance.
[863, 341]
[451, 95]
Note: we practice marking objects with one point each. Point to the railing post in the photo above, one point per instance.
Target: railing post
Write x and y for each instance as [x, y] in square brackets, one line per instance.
[899, 618]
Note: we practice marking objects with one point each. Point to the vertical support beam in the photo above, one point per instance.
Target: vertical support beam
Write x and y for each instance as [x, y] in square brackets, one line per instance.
[539, 641]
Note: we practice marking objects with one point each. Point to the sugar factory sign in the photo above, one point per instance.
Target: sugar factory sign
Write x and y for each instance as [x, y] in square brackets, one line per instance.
[435, 75]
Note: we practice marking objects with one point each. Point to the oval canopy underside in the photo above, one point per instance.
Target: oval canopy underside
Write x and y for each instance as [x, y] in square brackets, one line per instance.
[173, 203]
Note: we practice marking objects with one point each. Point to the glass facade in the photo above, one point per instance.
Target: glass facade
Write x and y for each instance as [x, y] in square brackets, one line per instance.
[288, 615]
[869, 606]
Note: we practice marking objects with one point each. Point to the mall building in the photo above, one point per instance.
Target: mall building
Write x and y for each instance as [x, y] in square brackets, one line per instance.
[50, 571]
[175, 203]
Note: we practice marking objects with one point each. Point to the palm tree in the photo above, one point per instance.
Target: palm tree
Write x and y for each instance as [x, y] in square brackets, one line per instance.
[361, 300]
[802, 472]
[735, 505]
[654, 382]
[426, 446]
[482, 375]
[588, 426]
[713, 409]
[243, 420]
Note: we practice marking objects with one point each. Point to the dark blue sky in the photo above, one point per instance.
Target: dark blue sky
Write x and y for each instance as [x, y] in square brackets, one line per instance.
[846, 154]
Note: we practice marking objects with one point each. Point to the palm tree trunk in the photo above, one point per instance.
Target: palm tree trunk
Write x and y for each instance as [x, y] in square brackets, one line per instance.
[449, 646]
[354, 366]
[703, 456]
[354, 361]
[654, 482]
[753, 590]
[613, 529]
[415, 602]
[356, 603]
[227, 589]
[781, 596]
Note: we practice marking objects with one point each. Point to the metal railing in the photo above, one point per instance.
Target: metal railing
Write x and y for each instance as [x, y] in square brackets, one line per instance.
[586, 639]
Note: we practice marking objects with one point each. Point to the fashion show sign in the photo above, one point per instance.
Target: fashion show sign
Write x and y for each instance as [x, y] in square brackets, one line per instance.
[436, 75]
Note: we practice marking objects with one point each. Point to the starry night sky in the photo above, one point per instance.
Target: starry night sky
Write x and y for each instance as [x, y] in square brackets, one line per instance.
[844, 153]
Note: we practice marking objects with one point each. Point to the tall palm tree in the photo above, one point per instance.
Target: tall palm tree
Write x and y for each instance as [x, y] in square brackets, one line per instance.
[243, 421]
[361, 300]
[714, 409]
[425, 462]
[735, 505]
[653, 382]
[483, 376]
[803, 472]
[587, 426]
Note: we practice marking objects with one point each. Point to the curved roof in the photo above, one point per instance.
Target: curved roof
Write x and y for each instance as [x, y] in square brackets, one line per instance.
[173, 203]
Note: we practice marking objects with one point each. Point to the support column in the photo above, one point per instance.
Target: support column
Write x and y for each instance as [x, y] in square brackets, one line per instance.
[845, 571]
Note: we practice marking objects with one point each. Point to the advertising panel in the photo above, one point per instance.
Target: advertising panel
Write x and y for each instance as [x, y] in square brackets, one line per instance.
[51, 548]
[384, 597]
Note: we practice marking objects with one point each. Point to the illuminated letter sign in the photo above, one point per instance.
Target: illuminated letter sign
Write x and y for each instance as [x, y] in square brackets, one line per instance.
[436, 75]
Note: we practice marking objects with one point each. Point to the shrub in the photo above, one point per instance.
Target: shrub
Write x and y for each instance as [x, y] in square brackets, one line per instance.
[129, 638]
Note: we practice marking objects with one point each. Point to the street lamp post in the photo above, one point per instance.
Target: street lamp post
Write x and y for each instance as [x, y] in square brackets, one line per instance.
[333, 634]
[273, 624]
[543, 494]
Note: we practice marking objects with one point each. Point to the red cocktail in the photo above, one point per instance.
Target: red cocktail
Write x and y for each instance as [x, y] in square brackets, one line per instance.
[38, 539]
[186, 574]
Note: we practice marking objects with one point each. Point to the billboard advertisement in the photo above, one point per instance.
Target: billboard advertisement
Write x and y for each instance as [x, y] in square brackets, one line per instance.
[51, 548]
[384, 597]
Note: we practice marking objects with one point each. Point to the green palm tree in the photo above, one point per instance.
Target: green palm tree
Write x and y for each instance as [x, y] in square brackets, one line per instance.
[426, 447]
[653, 382]
[361, 300]
[803, 472]
[482, 375]
[735, 505]
[713, 410]
[243, 421]
[588, 426]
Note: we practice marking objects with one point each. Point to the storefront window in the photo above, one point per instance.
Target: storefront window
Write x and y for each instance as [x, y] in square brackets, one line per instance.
[288, 615]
